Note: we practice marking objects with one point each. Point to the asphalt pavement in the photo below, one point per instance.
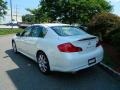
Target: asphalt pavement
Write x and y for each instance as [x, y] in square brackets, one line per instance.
[17, 72]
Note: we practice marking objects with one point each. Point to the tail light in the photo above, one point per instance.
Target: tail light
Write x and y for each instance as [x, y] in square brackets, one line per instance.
[68, 47]
[98, 43]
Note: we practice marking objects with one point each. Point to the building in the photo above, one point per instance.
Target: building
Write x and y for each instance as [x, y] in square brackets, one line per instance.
[16, 17]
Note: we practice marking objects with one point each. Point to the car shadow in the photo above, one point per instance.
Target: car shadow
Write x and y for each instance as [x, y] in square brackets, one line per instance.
[28, 77]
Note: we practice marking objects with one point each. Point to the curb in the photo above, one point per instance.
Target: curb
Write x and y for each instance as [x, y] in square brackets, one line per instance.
[110, 70]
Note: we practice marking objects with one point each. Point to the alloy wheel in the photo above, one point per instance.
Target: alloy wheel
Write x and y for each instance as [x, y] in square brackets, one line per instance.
[43, 63]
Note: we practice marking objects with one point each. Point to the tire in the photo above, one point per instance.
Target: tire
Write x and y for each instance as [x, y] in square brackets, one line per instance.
[14, 47]
[43, 63]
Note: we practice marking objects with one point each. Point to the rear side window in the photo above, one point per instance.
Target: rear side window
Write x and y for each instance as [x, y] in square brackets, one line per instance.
[68, 30]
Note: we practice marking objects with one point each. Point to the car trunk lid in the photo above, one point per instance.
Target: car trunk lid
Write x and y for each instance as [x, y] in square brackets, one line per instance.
[86, 42]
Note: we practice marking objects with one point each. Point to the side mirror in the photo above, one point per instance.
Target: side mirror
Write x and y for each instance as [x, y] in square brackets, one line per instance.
[18, 34]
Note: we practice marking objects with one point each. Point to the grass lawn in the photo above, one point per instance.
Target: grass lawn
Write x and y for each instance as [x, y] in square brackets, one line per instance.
[9, 31]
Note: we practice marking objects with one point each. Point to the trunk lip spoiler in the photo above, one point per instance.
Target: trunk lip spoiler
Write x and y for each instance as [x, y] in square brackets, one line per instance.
[89, 38]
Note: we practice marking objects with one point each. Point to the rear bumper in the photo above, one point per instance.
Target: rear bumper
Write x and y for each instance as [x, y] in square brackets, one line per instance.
[81, 67]
[72, 62]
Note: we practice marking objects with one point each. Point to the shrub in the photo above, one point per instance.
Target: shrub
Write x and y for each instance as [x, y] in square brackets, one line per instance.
[104, 23]
[116, 40]
[110, 35]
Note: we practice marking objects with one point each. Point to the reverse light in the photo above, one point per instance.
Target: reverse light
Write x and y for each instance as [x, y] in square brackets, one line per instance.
[68, 47]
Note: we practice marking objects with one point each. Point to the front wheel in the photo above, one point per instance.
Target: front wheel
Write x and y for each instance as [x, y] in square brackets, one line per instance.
[43, 63]
[14, 47]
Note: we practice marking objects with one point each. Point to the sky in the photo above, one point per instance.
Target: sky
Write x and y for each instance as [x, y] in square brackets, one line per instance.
[23, 4]
[116, 6]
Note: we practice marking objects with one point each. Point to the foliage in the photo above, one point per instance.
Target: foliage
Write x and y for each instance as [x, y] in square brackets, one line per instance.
[104, 24]
[116, 40]
[69, 11]
[110, 35]
[3, 8]
[28, 18]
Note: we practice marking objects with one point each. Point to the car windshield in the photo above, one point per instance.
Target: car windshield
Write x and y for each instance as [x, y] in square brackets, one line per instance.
[68, 30]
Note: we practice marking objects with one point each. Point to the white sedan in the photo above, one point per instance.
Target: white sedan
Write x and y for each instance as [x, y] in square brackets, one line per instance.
[58, 47]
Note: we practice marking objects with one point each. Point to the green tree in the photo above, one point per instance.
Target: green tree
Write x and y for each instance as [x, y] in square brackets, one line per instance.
[3, 7]
[39, 15]
[28, 18]
[70, 11]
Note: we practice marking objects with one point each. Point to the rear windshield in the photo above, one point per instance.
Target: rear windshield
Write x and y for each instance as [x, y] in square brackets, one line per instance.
[68, 30]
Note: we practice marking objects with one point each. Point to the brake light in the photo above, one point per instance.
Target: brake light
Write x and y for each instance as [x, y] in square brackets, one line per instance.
[98, 43]
[68, 47]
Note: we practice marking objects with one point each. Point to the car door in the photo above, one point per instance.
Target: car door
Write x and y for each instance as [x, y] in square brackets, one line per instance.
[18, 41]
[23, 39]
[37, 36]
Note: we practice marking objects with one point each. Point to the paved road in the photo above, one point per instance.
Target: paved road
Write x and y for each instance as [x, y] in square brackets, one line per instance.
[18, 72]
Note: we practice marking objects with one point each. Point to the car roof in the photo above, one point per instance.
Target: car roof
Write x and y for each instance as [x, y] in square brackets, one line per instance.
[52, 24]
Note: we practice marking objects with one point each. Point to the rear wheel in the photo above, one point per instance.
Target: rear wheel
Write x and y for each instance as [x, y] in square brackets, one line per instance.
[14, 47]
[43, 63]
